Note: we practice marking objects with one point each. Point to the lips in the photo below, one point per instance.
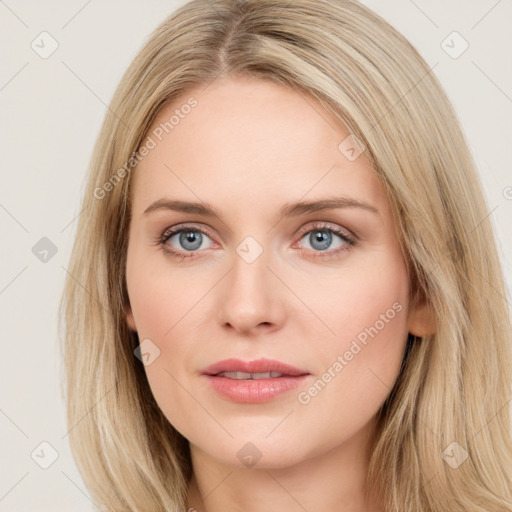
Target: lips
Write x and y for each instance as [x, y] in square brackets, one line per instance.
[253, 382]
[260, 366]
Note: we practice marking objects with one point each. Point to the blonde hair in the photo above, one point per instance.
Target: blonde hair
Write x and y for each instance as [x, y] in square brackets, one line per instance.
[454, 386]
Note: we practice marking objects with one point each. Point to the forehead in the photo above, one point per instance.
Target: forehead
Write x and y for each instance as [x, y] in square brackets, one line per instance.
[249, 141]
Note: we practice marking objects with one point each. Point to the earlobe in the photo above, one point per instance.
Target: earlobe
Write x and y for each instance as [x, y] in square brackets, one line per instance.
[130, 320]
[421, 320]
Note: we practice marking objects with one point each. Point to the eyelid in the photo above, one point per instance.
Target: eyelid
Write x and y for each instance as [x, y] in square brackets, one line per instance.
[190, 226]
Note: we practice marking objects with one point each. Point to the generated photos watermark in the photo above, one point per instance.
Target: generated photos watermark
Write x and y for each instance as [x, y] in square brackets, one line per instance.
[342, 360]
[151, 142]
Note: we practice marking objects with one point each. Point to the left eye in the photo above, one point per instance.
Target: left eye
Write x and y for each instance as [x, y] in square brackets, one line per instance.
[322, 239]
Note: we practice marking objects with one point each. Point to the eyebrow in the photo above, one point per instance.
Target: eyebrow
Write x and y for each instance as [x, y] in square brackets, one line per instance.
[287, 210]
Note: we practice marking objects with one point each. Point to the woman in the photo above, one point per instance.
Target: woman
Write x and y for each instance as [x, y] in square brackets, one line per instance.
[336, 337]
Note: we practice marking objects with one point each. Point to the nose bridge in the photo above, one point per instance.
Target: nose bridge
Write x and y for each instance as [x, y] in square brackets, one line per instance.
[249, 296]
[249, 277]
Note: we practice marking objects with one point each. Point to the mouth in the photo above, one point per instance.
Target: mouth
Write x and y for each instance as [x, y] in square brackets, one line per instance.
[253, 381]
[258, 369]
[245, 375]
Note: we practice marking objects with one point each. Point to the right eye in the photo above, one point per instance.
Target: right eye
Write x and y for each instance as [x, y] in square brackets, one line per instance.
[188, 238]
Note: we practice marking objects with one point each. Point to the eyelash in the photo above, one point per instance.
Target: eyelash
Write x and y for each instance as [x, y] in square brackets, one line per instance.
[317, 226]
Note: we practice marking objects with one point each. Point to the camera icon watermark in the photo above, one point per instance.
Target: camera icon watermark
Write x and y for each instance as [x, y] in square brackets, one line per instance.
[249, 455]
[44, 455]
[249, 249]
[454, 455]
[44, 250]
[44, 45]
[351, 147]
[147, 352]
[454, 45]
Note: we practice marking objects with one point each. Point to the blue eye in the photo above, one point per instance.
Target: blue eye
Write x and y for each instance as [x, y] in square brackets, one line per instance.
[189, 238]
[320, 239]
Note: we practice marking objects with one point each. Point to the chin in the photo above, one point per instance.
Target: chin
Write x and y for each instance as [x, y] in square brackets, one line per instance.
[255, 452]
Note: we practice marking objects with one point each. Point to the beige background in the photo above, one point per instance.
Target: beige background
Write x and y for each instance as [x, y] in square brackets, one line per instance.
[51, 110]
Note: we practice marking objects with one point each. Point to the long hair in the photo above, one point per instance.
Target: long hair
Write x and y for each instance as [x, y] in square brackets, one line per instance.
[443, 440]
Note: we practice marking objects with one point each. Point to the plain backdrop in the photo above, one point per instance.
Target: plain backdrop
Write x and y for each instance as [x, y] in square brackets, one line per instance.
[51, 110]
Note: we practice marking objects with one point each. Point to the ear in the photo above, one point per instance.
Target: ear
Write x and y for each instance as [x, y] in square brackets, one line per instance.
[130, 320]
[421, 320]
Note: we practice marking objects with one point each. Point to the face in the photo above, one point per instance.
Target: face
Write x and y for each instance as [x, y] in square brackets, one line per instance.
[324, 290]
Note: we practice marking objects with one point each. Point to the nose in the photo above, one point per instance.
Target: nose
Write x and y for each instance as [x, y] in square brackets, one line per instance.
[250, 298]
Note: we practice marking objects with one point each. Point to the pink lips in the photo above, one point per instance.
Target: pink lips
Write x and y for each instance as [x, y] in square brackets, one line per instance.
[258, 366]
[254, 390]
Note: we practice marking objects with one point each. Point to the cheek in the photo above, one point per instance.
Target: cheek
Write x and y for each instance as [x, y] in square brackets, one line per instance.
[367, 310]
[157, 299]
[374, 312]
[160, 304]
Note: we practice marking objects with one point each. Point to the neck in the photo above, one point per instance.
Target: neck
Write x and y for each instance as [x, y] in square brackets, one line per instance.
[331, 481]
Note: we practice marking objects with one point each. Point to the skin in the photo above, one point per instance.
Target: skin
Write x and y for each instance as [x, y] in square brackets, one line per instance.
[248, 147]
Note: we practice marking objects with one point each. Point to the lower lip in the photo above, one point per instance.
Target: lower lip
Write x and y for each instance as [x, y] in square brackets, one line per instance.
[254, 391]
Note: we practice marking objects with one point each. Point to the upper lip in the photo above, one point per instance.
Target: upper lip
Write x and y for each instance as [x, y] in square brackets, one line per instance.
[257, 366]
